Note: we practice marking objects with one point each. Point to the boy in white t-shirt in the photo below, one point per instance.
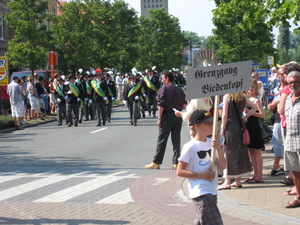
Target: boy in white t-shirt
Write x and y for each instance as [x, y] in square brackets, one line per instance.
[195, 165]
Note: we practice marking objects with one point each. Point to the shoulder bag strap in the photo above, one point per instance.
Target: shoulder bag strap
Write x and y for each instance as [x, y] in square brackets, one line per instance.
[240, 118]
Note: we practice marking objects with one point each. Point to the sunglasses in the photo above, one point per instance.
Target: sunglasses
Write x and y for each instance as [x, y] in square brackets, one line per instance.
[294, 82]
[202, 154]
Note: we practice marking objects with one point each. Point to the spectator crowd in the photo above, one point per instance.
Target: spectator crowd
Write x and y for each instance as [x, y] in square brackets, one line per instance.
[90, 97]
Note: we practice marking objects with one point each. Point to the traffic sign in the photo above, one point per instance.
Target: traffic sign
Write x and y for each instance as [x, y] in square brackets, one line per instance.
[263, 76]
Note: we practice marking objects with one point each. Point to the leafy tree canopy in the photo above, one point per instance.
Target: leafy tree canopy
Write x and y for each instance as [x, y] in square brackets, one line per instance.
[30, 20]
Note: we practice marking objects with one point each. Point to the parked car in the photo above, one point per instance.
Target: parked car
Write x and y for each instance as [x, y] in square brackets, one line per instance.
[43, 73]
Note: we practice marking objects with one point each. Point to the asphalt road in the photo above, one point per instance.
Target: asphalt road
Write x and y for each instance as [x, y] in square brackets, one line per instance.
[118, 145]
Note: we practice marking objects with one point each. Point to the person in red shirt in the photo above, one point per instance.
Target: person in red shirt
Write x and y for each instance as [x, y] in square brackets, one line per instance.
[5, 100]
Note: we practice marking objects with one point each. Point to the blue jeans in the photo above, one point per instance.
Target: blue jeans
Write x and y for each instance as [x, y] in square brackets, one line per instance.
[277, 140]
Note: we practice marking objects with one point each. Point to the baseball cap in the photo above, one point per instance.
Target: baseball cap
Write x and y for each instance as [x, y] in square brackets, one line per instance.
[201, 116]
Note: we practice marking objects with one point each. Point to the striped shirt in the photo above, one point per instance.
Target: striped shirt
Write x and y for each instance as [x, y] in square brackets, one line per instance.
[292, 113]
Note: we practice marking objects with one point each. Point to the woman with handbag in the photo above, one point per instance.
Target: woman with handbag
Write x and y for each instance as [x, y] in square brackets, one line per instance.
[237, 157]
[256, 140]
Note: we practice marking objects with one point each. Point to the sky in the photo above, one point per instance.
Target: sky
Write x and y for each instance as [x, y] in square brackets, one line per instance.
[193, 15]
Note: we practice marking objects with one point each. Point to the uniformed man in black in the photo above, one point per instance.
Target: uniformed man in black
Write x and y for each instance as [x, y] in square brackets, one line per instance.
[72, 102]
[111, 87]
[177, 79]
[79, 80]
[132, 93]
[100, 101]
[143, 98]
[151, 93]
[61, 100]
[88, 99]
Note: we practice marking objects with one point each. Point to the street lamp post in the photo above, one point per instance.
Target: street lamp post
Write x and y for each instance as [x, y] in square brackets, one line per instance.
[191, 53]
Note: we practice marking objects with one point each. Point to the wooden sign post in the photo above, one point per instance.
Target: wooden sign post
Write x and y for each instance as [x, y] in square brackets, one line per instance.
[215, 81]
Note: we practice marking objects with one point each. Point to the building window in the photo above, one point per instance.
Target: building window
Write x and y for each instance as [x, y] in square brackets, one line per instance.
[1, 29]
[156, 6]
[160, 5]
[144, 6]
[144, 0]
[153, 6]
[148, 6]
[54, 11]
[152, 0]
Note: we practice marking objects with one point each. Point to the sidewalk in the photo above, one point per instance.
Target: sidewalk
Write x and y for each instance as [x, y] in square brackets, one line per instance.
[263, 202]
[165, 194]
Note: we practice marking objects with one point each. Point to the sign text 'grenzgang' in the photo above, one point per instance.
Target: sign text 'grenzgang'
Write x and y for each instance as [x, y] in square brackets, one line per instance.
[219, 74]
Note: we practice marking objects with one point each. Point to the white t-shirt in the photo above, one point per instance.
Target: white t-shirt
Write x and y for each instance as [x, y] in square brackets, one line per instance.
[197, 155]
[261, 89]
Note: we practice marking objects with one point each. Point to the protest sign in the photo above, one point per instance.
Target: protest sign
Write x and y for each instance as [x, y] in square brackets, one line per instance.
[218, 80]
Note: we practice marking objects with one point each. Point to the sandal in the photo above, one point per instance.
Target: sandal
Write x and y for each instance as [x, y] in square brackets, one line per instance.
[287, 181]
[255, 181]
[293, 204]
[290, 191]
[247, 180]
[235, 185]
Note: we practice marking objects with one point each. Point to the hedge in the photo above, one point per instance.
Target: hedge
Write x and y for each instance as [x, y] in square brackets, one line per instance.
[6, 122]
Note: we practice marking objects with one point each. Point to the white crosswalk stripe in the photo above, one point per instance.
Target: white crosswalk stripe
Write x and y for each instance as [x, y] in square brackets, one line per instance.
[121, 197]
[21, 189]
[86, 187]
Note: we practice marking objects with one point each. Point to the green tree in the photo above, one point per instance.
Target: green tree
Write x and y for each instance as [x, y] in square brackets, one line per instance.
[30, 20]
[114, 33]
[283, 11]
[294, 50]
[194, 37]
[72, 36]
[160, 41]
[241, 32]
[126, 37]
[283, 43]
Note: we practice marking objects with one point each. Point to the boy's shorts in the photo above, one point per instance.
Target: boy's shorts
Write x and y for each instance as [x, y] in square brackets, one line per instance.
[207, 211]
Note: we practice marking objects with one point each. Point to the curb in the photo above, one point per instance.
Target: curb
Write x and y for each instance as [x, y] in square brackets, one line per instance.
[27, 125]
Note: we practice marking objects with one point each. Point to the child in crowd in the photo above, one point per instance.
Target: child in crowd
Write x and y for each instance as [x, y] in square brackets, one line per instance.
[195, 164]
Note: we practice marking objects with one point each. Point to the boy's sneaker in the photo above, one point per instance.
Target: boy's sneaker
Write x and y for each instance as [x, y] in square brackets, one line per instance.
[276, 172]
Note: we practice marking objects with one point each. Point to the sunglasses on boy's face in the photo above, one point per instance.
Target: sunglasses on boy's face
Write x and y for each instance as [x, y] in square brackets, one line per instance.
[202, 154]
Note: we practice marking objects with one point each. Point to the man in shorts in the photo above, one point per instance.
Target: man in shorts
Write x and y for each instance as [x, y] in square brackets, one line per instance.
[14, 90]
[292, 141]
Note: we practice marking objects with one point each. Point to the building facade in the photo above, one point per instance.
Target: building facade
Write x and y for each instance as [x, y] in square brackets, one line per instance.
[146, 5]
[5, 32]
